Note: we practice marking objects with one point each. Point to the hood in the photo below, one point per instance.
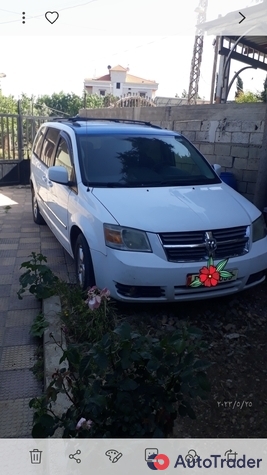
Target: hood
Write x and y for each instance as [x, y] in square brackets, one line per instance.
[169, 209]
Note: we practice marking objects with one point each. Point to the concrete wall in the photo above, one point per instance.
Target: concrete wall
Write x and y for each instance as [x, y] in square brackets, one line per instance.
[227, 134]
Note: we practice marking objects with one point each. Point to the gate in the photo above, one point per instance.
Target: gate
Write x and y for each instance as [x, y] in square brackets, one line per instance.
[135, 101]
[17, 133]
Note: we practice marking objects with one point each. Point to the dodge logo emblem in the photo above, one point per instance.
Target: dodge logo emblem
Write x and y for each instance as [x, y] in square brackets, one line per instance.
[211, 244]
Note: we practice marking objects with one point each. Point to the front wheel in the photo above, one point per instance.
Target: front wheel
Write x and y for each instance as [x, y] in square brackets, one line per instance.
[83, 264]
[37, 217]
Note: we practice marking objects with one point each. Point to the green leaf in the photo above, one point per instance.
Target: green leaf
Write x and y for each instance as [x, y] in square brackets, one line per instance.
[221, 265]
[106, 340]
[189, 359]
[47, 421]
[135, 356]
[101, 360]
[203, 381]
[153, 365]
[180, 346]
[202, 364]
[84, 367]
[194, 331]
[39, 431]
[210, 262]
[124, 331]
[225, 274]
[196, 283]
[33, 402]
[145, 355]
[128, 385]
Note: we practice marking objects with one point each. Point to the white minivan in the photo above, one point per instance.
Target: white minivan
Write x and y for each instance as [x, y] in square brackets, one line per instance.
[143, 213]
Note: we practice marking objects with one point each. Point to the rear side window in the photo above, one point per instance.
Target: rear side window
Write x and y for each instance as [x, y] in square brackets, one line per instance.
[49, 146]
[37, 147]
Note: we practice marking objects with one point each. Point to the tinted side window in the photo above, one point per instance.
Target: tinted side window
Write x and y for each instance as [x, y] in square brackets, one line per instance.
[49, 145]
[63, 158]
[37, 147]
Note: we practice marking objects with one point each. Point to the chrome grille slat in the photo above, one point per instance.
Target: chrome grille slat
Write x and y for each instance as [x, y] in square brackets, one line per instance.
[190, 246]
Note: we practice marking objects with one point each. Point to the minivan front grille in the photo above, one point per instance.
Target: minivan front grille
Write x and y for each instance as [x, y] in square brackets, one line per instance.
[192, 246]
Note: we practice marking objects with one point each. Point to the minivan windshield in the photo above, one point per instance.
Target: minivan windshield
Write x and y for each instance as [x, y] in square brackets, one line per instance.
[113, 160]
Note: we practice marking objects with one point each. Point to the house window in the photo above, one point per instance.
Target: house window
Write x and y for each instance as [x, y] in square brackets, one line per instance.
[102, 92]
[142, 94]
[118, 85]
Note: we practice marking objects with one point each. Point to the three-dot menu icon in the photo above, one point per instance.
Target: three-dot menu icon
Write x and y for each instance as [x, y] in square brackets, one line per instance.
[23, 17]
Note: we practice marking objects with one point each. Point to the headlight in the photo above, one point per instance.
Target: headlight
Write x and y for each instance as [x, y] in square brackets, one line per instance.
[258, 229]
[126, 239]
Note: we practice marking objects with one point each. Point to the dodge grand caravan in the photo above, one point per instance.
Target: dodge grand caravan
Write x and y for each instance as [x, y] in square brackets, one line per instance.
[143, 213]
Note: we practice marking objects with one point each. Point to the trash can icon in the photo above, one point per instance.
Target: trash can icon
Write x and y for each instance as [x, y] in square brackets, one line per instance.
[36, 456]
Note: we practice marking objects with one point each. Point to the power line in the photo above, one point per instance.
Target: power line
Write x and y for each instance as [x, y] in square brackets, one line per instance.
[131, 49]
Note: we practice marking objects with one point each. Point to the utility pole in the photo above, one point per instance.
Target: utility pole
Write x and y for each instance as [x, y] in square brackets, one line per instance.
[214, 70]
[197, 53]
[260, 196]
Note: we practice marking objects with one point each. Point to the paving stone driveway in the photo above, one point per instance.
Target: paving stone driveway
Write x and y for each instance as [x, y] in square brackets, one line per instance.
[19, 236]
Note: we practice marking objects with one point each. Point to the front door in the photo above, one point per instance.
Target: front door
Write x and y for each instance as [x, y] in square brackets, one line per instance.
[58, 195]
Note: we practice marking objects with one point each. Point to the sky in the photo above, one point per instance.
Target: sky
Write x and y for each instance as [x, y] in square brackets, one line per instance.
[154, 38]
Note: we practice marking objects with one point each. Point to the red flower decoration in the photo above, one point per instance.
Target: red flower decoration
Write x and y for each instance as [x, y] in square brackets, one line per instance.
[209, 276]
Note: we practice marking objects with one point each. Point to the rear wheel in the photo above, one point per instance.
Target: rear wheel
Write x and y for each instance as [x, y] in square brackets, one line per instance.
[83, 264]
[37, 217]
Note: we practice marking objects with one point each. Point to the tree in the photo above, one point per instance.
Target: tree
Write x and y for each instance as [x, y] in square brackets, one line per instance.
[264, 92]
[61, 102]
[8, 105]
[28, 106]
[110, 100]
[247, 96]
[93, 101]
[239, 87]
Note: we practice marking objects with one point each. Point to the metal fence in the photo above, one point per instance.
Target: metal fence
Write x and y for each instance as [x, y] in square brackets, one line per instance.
[17, 133]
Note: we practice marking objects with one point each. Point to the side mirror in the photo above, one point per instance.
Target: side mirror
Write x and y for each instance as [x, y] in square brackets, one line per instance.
[217, 168]
[58, 175]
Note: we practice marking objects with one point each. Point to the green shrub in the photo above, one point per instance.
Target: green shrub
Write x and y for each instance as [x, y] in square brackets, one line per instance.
[38, 278]
[125, 385]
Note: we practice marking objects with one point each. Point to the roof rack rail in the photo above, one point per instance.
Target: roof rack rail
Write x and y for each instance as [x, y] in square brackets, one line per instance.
[77, 118]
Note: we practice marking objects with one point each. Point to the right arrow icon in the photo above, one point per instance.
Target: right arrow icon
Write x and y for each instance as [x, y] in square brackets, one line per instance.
[242, 18]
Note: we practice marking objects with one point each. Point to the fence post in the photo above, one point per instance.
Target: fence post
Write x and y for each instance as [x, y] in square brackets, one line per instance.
[20, 133]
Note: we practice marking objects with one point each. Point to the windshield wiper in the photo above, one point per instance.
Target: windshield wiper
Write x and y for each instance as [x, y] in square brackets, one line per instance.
[158, 183]
[109, 184]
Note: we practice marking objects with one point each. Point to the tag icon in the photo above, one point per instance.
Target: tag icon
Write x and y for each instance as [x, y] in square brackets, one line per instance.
[51, 17]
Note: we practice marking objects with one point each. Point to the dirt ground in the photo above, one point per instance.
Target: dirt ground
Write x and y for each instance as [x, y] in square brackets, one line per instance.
[236, 331]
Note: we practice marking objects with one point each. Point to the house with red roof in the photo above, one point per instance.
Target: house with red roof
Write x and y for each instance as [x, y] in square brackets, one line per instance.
[120, 83]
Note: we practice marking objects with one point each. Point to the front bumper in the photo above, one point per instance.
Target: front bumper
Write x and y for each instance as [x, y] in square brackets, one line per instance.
[149, 277]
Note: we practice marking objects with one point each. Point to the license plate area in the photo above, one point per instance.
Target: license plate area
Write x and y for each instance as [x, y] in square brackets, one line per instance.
[191, 277]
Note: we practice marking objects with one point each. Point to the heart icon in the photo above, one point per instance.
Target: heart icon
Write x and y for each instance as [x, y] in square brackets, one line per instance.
[51, 17]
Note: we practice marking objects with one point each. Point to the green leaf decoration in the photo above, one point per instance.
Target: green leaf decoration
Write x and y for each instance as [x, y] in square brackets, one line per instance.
[210, 262]
[196, 283]
[225, 274]
[221, 265]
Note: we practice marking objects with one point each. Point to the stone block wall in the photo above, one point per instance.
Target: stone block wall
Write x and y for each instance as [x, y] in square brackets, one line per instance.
[227, 134]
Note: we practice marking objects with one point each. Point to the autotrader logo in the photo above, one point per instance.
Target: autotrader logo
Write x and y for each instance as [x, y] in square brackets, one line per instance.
[156, 461]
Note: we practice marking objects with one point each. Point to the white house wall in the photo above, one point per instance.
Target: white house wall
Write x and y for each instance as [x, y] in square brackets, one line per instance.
[110, 88]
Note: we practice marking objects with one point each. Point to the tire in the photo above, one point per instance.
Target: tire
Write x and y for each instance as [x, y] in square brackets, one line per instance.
[37, 217]
[84, 269]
